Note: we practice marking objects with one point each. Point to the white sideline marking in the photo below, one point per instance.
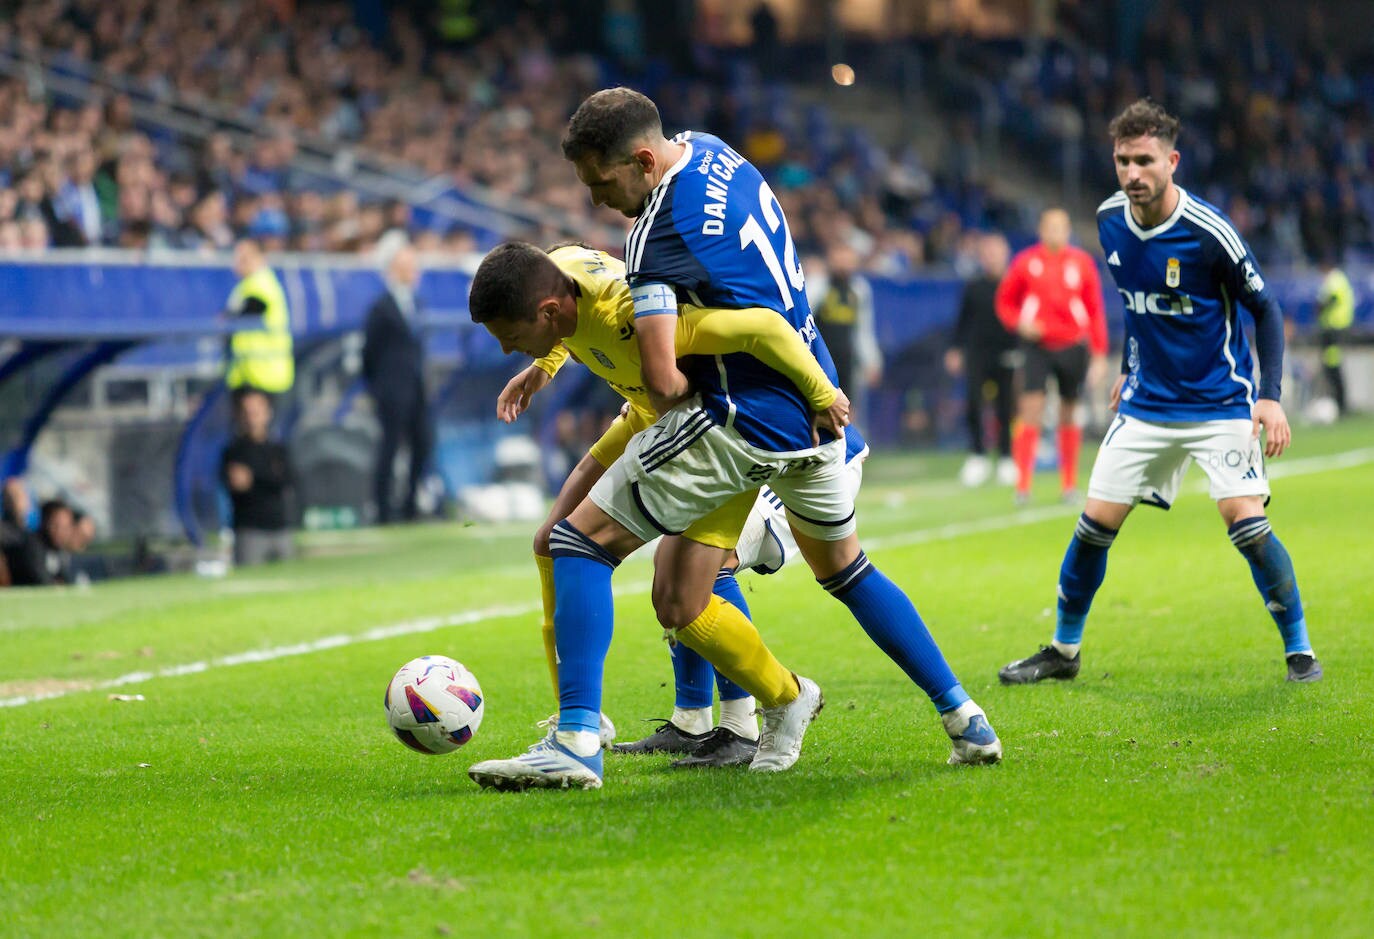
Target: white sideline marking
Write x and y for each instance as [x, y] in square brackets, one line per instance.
[1318, 464]
[1301, 467]
[409, 627]
[1346, 460]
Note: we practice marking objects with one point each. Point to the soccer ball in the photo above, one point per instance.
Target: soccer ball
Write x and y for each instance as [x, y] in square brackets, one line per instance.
[434, 704]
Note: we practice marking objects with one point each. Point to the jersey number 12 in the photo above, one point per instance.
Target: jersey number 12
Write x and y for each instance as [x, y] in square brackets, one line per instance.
[752, 233]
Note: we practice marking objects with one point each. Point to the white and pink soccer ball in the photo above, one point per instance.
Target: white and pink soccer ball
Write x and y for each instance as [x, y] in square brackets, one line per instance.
[434, 704]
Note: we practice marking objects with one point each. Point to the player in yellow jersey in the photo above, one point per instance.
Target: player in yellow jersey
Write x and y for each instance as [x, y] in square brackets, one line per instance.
[584, 311]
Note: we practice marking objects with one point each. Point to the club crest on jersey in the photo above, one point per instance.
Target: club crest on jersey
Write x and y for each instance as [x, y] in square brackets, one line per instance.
[603, 358]
[1172, 273]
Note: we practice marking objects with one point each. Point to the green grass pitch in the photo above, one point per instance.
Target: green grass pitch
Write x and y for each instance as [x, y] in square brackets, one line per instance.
[1178, 787]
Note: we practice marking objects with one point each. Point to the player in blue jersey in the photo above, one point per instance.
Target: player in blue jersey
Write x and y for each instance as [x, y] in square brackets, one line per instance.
[710, 233]
[1187, 390]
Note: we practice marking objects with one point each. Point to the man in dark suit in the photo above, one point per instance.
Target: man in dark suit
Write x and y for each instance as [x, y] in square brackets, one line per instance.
[393, 367]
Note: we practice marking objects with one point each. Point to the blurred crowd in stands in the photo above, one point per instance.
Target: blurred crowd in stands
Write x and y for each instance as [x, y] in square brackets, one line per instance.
[1277, 127]
[486, 116]
[1277, 119]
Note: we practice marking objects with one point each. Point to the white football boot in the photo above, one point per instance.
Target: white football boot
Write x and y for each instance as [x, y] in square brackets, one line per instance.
[975, 471]
[1006, 471]
[973, 738]
[546, 765]
[783, 729]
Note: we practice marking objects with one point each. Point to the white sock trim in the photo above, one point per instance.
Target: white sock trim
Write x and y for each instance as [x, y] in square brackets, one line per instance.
[692, 720]
[1067, 649]
[582, 742]
[738, 715]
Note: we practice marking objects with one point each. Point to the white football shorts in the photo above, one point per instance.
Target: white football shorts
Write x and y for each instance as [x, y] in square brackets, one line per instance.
[685, 466]
[1144, 462]
[766, 544]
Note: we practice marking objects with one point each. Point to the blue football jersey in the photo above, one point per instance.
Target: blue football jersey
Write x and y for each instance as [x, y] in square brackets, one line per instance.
[713, 232]
[1186, 357]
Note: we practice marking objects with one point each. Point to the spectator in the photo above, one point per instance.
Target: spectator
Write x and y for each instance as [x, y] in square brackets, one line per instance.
[985, 353]
[80, 201]
[15, 505]
[44, 559]
[85, 566]
[394, 369]
[1052, 297]
[257, 472]
[1335, 314]
[259, 357]
[14, 525]
[83, 531]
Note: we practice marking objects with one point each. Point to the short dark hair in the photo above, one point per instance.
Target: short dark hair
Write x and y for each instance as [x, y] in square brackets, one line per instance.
[1145, 118]
[49, 509]
[511, 281]
[609, 122]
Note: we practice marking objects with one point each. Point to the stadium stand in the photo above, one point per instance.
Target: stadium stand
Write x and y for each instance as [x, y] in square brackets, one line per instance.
[1276, 124]
[478, 127]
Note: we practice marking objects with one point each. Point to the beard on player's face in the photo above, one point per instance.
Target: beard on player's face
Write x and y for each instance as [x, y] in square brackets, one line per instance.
[1142, 192]
[632, 200]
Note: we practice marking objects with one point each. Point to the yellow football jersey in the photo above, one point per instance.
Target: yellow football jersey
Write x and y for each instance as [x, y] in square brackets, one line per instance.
[605, 337]
[605, 342]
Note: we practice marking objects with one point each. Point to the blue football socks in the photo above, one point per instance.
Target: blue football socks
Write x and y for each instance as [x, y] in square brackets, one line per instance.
[891, 621]
[1272, 570]
[583, 619]
[1081, 573]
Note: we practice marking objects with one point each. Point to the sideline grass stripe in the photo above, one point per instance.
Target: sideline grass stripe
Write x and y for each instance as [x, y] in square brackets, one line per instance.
[1307, 466]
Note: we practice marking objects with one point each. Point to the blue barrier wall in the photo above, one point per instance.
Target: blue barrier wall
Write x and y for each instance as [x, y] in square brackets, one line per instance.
[76, 300]
[169, 313]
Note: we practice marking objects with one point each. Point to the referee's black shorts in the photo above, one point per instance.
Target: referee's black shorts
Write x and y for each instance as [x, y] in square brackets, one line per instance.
[1068, 366]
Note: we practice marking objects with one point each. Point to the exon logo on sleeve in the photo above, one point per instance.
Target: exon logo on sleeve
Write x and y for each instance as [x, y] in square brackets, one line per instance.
[1160, 304]
[1253, 281]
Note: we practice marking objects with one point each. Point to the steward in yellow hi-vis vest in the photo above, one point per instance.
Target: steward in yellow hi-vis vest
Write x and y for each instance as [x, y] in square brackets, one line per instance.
[259, 358]
[1335, 316]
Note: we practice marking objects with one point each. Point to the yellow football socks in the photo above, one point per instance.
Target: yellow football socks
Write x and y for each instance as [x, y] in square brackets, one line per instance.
[725, 638]
[545, 565]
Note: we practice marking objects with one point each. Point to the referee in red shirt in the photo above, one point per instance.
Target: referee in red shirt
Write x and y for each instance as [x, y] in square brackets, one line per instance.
[1051, 297]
